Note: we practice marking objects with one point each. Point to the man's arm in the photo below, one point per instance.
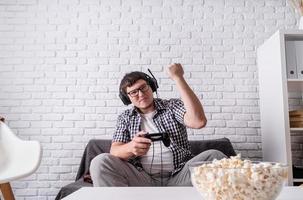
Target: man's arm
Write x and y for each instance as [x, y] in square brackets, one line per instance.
[137, 147]
[121, 150]
[194, 116]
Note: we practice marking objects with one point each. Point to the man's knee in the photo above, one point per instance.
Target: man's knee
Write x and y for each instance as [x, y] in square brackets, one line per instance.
[214, 154]
[209, 155]
[101, 161]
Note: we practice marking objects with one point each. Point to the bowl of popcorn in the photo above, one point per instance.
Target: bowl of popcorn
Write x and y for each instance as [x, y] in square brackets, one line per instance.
[238, 179]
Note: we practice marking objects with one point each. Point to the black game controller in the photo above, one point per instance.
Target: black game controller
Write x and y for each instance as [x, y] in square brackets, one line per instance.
[159, 136]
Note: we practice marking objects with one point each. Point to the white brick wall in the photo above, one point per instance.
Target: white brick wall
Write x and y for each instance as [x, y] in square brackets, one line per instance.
[61, 63]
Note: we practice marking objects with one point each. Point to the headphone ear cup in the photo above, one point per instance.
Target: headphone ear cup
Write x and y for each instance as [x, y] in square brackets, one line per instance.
[124, 99]
[153, 84]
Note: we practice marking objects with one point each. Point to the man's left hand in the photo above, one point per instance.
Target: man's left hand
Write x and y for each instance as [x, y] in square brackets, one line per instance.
[175, 71]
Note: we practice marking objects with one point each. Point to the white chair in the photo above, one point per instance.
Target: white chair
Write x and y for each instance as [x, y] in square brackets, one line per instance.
[18, 159]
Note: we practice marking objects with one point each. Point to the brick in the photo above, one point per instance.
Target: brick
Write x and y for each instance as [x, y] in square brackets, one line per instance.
[72, 146]
[246, 131]
[84, 96]
[41, 124]
[62, 154]
[246, 146]
[26, 192]
[246, 117]
[61, 139]
[85, 124]
[52, 117]
[216, 123]
[41, 110]
[52, 102]
[222, 116]
[247, 102]
[62, 109]
[63, 124]
[225, 102]
[20, 124]
[254, 124]
[48, 191]
[48, 177]
[236, 123]
[62, 96]
[76, 102]
[254, 139]
[251, 110]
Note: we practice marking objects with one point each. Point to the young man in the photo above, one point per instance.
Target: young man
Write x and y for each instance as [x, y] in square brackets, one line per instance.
[137, 161]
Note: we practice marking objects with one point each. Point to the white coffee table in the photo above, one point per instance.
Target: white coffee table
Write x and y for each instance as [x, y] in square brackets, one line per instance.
[158, 193]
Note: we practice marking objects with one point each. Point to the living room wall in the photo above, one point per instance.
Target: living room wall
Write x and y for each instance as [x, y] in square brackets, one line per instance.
[61, 62]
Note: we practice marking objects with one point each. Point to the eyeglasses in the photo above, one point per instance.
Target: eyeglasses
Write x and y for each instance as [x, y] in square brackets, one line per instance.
[135, 92]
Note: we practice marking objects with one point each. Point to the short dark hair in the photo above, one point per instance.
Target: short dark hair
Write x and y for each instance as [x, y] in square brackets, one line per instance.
[131, 78]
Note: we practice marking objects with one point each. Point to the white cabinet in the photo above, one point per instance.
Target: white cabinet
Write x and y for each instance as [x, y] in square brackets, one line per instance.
[274, 88]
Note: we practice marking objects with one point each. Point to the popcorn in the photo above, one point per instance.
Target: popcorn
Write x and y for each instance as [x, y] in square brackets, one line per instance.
[236, 179]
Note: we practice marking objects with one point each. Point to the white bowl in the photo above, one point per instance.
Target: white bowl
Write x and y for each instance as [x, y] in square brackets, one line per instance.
[249, 181]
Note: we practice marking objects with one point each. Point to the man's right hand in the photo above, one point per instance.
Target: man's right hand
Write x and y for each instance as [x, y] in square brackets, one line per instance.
[139, 145]
[175, 71]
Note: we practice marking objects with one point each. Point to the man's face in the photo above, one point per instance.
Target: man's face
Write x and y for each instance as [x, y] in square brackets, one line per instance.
[141, 95]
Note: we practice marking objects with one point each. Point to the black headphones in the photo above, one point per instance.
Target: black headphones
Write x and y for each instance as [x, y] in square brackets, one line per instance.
[151, 81]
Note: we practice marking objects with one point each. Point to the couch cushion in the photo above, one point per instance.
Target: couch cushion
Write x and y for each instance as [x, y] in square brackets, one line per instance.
[222, 144]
